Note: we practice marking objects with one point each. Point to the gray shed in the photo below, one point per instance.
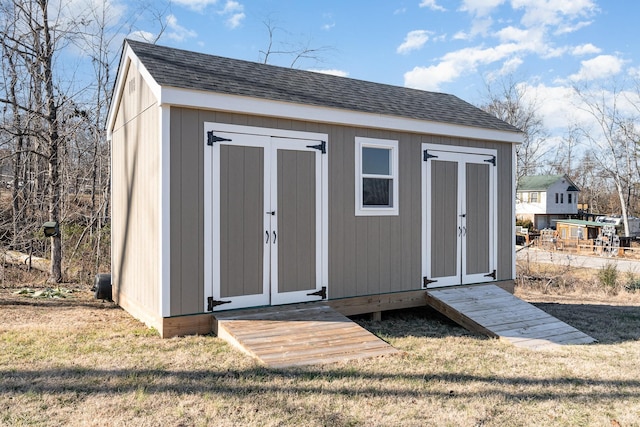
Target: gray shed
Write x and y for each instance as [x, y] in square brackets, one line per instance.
[237, 184]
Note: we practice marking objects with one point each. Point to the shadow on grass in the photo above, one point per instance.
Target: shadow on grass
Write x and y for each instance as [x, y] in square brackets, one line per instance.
[606, 323]
[307, 381]
[609, 324]
[58, 303]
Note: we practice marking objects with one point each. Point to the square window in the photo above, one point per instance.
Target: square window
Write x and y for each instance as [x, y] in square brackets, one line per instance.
[376, 177]
[377, 192]
[376, 161]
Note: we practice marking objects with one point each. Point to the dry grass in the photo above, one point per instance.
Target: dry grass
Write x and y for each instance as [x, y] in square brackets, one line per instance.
[81, 362]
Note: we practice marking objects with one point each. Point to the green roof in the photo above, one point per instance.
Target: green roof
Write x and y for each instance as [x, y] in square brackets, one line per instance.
[579, 222]
[542, 182]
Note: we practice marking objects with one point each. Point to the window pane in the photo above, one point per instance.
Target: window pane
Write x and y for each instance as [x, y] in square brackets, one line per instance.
[376, 161]
[376, 192]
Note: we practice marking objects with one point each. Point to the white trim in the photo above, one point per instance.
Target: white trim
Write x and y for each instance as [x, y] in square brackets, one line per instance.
[392, 146]
[211, 252]
[165, 211]
[462, 156]
[261, 131]
[248, 105]
[278, 297]
[129, 58]
[257, 136]
[514, 163]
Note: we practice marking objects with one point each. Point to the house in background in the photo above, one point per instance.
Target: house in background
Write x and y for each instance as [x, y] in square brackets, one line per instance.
[545, 198]
[238, 184]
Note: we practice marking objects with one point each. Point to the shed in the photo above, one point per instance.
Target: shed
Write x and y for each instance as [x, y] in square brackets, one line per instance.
[578, 229]
[238, 184]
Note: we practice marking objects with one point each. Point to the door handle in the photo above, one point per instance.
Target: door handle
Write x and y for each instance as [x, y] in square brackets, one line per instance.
[270, 212]
[267, 233]
[274, 237]
[459, 231]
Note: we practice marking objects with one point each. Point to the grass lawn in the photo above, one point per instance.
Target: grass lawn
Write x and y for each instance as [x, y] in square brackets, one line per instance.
[76, 361]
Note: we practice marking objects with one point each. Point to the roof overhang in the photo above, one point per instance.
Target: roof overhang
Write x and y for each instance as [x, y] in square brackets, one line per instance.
[279, 109]
[127, 59]
[171, 96]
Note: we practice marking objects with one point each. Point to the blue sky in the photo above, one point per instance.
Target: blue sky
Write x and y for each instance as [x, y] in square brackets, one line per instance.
[439, 45]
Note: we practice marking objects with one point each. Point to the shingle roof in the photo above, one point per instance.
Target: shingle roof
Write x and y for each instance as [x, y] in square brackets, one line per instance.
[191, 70]
[543, 182]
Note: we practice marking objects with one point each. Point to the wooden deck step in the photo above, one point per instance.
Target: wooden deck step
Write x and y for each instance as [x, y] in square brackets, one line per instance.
[490, 310]
[301, 334]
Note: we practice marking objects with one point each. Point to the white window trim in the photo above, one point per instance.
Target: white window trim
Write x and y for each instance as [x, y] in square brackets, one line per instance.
[391, 145]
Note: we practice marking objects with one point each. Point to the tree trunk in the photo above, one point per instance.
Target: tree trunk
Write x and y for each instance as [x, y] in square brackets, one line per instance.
[53, 137]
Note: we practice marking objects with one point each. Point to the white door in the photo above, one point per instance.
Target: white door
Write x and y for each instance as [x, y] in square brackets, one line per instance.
[266, 209]
[459, 215]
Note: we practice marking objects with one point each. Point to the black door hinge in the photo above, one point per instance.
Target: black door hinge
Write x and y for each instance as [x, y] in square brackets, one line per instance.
[492, 275]
[211, 303]
[492, 160]
[426, 156]
[322, 293]
[211, 138]
[426, 281]
[322, 147]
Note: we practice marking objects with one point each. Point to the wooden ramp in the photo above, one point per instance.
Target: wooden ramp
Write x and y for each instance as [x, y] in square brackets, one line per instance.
[301, 334]
[490, 310]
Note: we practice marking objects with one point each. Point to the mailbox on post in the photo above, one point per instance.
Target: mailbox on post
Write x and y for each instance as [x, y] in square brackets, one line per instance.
[51, 229]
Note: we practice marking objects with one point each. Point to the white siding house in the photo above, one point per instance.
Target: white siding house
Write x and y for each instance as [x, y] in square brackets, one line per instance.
[543, 198]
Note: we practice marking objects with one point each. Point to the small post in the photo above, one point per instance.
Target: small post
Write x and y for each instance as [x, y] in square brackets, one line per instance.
[376, 316]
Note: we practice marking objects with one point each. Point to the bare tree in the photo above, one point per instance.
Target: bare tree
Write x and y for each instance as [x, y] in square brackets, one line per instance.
[296, 51]
[511, 103]
[613, 140]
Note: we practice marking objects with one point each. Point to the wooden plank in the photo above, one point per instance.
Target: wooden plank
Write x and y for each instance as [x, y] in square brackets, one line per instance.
[201, 324]
[298, 335]
[493, 311]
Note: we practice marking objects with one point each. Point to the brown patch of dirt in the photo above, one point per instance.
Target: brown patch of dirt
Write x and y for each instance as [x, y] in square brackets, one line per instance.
[78, 310]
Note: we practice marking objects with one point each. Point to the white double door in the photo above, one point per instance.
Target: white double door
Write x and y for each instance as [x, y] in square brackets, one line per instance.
[266, 233]
[459, 215]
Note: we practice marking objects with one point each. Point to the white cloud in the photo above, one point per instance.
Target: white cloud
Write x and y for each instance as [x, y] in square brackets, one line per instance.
[234, 12]
[141, 35]
[235, 20]
[231, 6]
[431, 78]
[599, 67]
[513, 34]
[558, 110]
[333, 72]
[456, 63]
[178, 32]
[553, 13]
[480, 7]
[510, 66]
[196, 5]
[585, 49]
[431, 4]
[414, 40]
[565, 29]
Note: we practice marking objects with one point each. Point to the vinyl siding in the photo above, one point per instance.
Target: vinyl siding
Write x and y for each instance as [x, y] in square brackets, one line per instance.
[135, 209]
[367, 255]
